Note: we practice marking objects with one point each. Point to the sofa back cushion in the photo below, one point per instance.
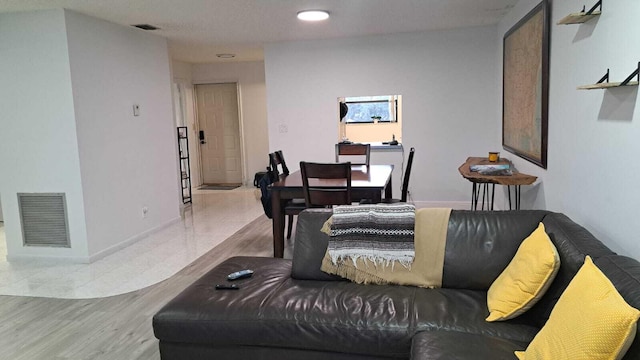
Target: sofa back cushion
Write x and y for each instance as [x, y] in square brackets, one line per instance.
[573, 243]
[479, 247]
[481, 244]
[310, 246]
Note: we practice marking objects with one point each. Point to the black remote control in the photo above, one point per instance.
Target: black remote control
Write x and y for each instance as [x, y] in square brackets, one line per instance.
[227, 287]
[240, 275]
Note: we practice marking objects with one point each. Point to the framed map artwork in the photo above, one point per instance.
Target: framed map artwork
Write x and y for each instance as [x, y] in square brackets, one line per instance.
[525, 86]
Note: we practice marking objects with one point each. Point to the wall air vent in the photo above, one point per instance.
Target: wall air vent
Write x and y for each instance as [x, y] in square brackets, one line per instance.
[146, 27]
[44, 219]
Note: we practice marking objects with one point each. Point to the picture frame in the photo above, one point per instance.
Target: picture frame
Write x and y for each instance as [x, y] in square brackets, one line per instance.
[525, 86]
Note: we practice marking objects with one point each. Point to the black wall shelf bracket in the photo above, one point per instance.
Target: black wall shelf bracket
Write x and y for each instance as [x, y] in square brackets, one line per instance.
[635, 74]
[604, 78]
[597, 5]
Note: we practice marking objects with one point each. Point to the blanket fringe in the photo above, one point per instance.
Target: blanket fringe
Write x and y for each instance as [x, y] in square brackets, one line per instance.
[356, 275]
[385, 261]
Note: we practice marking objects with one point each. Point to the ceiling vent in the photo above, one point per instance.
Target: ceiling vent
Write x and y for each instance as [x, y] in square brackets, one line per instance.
[44, 219]
[146, 27]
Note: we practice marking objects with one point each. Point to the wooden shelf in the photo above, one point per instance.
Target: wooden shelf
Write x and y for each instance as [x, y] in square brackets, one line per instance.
[606, 85]
[582, 16]
[578, 18]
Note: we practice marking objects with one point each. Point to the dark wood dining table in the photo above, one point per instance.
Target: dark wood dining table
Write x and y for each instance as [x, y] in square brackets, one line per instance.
[367, 182]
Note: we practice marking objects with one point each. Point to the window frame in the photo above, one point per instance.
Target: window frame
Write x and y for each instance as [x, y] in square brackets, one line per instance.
[391, 99]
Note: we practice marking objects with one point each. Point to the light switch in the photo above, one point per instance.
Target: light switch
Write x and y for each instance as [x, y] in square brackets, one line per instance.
[136, 110]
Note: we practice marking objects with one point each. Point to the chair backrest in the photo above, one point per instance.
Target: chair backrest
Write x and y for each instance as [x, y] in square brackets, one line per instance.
[275, 159]
[360, 151]
[265, 193]
[407, 174]
[326, 184]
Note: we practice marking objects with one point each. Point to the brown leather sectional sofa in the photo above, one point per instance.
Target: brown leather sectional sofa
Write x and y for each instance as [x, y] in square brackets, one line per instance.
[289, 309]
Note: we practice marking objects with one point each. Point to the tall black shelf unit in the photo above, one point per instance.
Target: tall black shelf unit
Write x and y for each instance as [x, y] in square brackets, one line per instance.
[185, 169]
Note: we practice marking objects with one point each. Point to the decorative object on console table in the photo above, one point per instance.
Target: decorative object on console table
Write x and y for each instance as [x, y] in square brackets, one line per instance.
[525, 86]
[481, 182]
[490, 167]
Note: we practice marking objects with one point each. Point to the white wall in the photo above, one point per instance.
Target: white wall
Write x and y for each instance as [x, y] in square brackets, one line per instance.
[38, 146]
[592, 173]
[446, 79]
[253, 109]
[68, 86]
[181, 72]
[127, 162]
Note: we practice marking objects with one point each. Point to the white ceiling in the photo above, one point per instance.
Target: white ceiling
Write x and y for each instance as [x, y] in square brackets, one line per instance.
[199, 29]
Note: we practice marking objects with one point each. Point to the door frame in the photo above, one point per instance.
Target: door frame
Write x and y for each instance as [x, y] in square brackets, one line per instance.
[189, 119]
[243, 159]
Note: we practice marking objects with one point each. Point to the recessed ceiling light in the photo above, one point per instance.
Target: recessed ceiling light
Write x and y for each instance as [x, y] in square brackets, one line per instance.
[226, 56]
[313, 15]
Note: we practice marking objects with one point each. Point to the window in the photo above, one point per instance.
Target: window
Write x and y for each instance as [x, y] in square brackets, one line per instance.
[371, 109]
[370, 119]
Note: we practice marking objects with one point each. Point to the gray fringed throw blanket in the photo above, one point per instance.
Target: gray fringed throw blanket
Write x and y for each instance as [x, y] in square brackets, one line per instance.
[382, 234]
[426, 269]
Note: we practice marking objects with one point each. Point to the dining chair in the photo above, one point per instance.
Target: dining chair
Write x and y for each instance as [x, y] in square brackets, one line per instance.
[405, 183]
[354, 151]
[276, 159]
[318, 186]
[294, 206]
[405, 179]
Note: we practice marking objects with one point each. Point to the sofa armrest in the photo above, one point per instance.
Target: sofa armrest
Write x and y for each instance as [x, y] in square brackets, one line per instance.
[310, 246]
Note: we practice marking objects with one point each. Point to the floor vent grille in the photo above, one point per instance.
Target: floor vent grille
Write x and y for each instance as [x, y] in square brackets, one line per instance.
[44, 219]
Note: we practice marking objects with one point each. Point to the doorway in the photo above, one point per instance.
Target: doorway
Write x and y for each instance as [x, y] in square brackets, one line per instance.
[219, 134]
[184, 113]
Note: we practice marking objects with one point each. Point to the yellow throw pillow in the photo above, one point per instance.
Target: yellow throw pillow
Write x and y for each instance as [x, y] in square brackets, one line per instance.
[591, 321]
[525, 279]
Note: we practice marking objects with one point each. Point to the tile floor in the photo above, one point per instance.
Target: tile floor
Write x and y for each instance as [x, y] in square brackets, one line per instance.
[214, 216]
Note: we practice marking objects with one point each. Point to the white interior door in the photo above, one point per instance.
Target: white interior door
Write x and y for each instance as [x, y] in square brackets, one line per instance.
[220, 153]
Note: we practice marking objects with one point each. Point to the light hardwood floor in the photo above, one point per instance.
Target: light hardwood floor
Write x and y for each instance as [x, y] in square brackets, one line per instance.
[117, 327]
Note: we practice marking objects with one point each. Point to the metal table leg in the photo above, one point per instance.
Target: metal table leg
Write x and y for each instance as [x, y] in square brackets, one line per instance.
[474, 197]
[516, 196]
[493, 195]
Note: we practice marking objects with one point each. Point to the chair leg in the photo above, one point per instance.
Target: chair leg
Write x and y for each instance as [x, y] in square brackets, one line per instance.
[289, 226]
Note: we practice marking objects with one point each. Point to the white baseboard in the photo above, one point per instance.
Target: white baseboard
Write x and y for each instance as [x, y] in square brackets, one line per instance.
[48, 257]
[112, 249]
[97, 256]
